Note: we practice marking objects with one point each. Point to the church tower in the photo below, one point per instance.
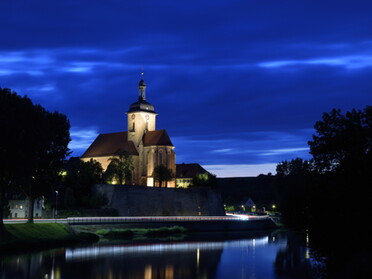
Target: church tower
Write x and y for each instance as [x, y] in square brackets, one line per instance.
[154, 147]
[141, 116]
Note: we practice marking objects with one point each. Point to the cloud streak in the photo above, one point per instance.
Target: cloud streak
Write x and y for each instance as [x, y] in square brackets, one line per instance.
[348, 62]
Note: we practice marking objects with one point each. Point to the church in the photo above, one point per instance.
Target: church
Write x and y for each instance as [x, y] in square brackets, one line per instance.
[147, 146]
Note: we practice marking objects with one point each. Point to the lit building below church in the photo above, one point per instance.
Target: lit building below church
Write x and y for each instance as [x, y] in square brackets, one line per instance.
[186, 172]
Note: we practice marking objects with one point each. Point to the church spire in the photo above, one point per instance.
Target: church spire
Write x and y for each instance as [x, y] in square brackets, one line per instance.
[142, 89]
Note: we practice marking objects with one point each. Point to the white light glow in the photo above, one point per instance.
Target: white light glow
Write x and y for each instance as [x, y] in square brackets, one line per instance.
[102, 251]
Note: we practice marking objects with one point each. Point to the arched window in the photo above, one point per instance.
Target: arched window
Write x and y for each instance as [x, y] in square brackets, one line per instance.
[160, 157]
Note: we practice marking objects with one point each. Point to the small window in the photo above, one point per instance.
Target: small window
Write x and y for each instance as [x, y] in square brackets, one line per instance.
[21, 206]
[160, 158]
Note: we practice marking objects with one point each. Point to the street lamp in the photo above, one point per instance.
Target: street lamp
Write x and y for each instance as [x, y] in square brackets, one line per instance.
[56, 202]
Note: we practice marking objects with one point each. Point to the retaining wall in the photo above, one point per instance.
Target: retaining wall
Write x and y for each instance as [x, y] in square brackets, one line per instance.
[154, 201]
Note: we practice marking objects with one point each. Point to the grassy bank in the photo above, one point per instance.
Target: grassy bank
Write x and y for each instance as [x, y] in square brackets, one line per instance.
[140, 232]
[30, 236]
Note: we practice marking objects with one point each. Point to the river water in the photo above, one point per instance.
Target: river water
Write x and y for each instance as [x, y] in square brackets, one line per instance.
[220, 256]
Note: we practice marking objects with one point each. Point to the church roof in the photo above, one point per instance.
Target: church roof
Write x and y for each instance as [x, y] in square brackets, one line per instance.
[109, 144]
[189, 170]
[159, 137]
[141, 105]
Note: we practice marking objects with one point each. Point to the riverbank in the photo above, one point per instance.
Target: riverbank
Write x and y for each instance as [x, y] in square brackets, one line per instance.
[139, 233]
[39, 236]
[22, 237]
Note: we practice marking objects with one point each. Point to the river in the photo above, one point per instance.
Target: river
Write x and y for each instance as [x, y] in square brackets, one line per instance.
[206, 256]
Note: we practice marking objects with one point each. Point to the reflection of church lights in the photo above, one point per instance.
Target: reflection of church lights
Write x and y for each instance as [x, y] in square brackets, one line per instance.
[169, 272]
[307, 238]
[148, 272]
[98, 251]
[197, 258]
[307, 253]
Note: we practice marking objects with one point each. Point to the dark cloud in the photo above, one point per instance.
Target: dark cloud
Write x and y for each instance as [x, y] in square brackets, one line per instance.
[234, 82]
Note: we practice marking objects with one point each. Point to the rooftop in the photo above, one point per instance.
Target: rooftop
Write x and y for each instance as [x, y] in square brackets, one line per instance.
[109, 144]
[189, 170]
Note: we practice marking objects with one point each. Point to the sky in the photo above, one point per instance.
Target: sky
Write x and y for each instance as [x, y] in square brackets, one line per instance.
[237, 84]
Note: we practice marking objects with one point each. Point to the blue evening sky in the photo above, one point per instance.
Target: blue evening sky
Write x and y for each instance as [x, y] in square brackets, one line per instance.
[238, 84]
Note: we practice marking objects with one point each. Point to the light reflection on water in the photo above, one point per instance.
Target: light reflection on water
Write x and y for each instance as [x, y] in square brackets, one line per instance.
[104, 251]
[267, 256]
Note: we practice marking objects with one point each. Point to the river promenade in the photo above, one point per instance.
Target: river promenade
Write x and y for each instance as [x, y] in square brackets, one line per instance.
[192, 223]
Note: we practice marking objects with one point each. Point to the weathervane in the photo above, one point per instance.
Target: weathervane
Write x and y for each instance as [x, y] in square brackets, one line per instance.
[142, 72]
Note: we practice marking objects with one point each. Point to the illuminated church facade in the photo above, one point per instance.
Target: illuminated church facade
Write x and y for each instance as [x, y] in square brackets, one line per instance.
[147, 146]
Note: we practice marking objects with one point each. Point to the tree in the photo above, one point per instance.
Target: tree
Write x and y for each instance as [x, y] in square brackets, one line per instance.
[163, 174]
[79, 178]
[342, 153]
[204, 180]
[27, 149]
[296, 166]
[331, 198]
[120, 168]
[48, 148]
[293, 180]
[13, 156]
[32, 147]
[343, 142]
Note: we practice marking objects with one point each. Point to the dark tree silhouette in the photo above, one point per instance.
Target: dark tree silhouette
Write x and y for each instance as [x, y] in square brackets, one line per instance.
[79, 178]
[207, 180]
[332, 197]
[163, 174]
[343, 143]
[295, 167]
[14, 162]
[33, 146]
[49, 137]
[293, 181]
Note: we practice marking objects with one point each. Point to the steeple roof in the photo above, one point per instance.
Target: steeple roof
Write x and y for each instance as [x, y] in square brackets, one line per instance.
[142, 83]
[141, 104]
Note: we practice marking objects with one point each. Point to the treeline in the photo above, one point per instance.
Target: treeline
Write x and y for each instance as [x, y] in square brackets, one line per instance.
[33, 145]
[329, 195]
[236, 191]
[33, 148]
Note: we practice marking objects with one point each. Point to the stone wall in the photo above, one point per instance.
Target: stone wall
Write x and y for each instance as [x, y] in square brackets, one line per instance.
[151, 201]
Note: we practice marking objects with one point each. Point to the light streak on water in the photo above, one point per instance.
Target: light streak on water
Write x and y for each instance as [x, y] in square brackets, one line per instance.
[102, 251]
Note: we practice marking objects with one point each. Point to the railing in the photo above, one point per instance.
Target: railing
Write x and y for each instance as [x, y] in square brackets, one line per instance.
[143, 219]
